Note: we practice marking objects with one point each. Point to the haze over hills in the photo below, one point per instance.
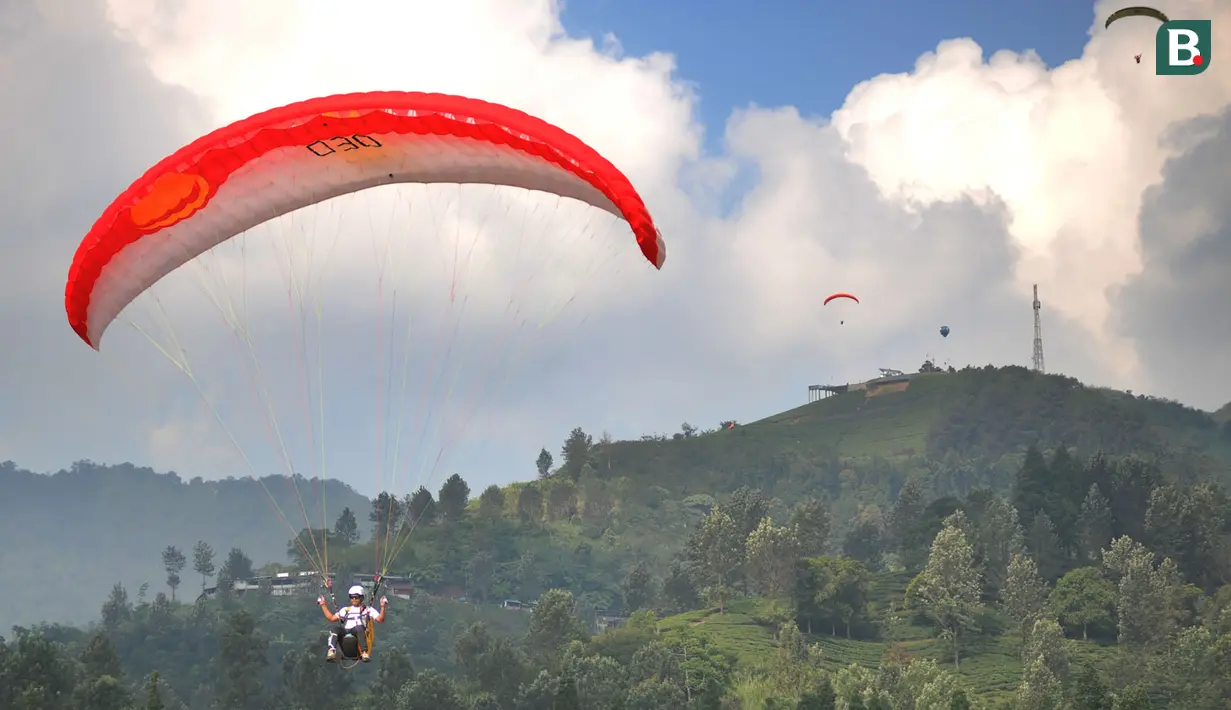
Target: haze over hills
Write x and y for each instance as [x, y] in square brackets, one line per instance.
[76, 533]
[85, 529]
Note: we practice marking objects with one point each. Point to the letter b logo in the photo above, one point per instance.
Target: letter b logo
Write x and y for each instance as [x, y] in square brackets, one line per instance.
[1182, 47]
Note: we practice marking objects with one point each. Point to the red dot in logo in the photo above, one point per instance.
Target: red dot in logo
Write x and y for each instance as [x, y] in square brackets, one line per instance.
[1198, 60]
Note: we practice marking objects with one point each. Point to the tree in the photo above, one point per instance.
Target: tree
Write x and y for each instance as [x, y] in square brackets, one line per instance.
[543, 463]
[394, 669]
[237, 567]
[422, 508]
[1032, 485]
[904, 520]
[561, 498]
[1134, 697]
[153, 696]
[203, 561]
[1094, 525]
[116, 610]
[747, 506]
[1046, 642]
[948, 589]
[305, 687]
[1209, 562]
[305, 547]
[653, 693]
[1025, 594]
[717, 548]
[1089, 691]
[480, 576]
[601, 681]
[1067, 488]
[1000, 537]
[489, 663]
[1146, 596]
[576, 453]
[553, 624]
[36, 673]
[346, 528]
[1128, 491]
[566, 697]
[603, 449]
[491, 502]
[161, 616]
[469, 648]
[103, 693]
[386, 512]
[1039, 689]
[432, 690]
[99, 658]
[679, 590]
[771, 554]
[638, 588]
[530, 503]
[812, 527]
[173, 562]
[597, 496]
[454, 495]
[1044, 546]
[822, 697]
[865, 542]
[240, 663]
[831, 591]
[1171, 525]
[1083, 597]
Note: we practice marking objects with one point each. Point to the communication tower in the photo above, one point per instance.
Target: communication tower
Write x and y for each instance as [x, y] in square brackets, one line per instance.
[1038, 333]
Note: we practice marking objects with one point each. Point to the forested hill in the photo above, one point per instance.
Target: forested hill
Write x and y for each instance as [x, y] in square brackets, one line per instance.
[80, 531]
[74, 534]
[962, 431]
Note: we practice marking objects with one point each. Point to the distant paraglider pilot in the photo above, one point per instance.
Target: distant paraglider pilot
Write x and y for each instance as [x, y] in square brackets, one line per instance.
[353, 616]
[840, 295]
[1135, 11]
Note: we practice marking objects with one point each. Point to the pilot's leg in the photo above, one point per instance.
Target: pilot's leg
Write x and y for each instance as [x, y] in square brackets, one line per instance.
[334, 634]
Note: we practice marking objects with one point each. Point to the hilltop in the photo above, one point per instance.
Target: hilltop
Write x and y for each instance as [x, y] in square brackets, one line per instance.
[963, 430]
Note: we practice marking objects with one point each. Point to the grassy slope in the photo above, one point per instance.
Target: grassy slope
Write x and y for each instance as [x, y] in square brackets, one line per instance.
[990, 664]
[857, 425]
[966, 414]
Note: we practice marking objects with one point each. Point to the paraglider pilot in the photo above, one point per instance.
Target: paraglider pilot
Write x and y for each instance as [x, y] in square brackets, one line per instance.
[354, 615]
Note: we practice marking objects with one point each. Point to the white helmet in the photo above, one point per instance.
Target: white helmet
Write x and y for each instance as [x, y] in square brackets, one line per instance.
[356, 591]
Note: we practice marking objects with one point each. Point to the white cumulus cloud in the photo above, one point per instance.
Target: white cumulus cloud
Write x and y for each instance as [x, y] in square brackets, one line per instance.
[937, 195]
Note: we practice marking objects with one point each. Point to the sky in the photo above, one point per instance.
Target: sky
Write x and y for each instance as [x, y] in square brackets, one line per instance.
[935, 158]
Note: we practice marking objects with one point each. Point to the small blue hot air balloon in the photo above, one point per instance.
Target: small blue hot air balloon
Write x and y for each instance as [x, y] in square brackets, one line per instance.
[944, 331]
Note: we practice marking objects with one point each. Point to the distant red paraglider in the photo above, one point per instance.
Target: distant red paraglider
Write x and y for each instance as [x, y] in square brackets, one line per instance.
[839, 295]
[1137, 57]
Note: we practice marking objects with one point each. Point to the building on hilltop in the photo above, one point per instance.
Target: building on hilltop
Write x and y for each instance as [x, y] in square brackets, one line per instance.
[890, 378]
